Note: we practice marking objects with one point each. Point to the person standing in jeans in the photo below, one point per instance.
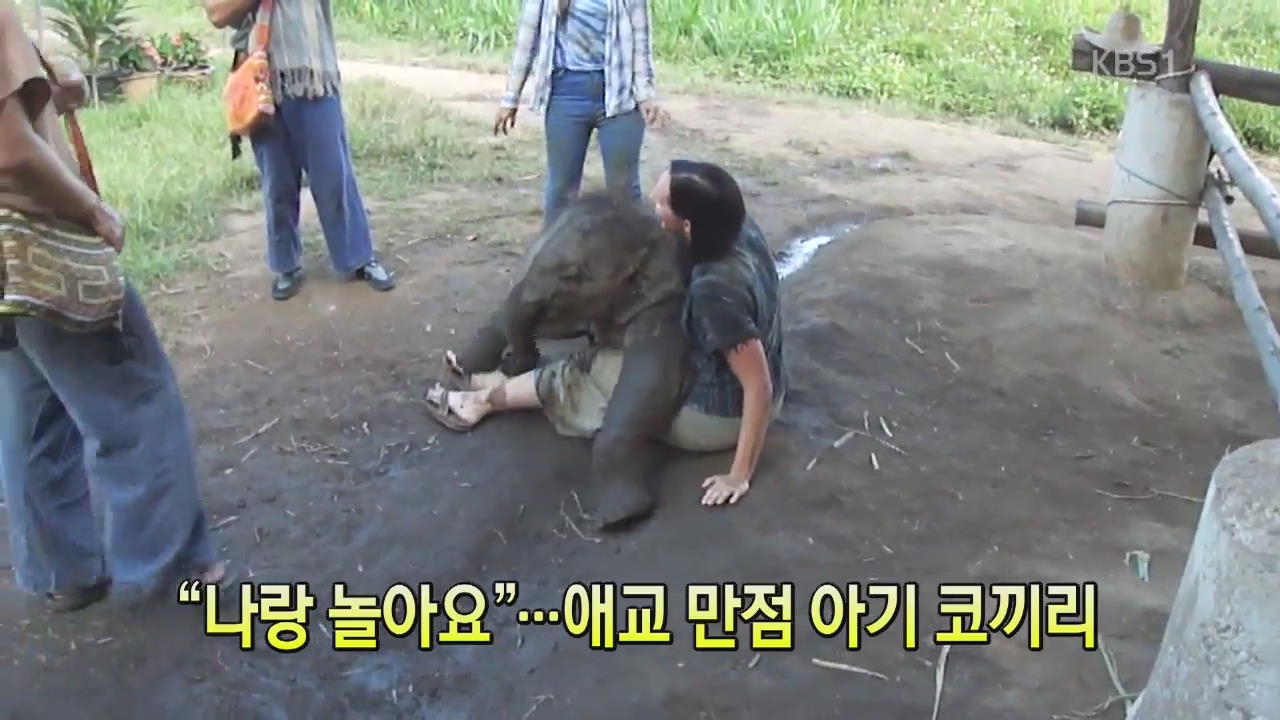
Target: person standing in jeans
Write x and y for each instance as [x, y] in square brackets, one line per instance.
[307, 135]
[592, 67]
[81, 409]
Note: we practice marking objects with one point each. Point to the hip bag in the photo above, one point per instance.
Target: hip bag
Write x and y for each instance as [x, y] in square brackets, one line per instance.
[57, 270]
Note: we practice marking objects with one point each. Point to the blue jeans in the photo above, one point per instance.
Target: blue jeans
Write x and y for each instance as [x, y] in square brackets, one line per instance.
[310, 135]
[575, 109]
[101, 409]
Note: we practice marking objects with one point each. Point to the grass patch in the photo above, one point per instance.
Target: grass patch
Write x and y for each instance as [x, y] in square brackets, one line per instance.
[990, 59]
[1003, 61]
[165, 164]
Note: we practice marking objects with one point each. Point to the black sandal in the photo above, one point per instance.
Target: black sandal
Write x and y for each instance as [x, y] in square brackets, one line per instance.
[79, 598]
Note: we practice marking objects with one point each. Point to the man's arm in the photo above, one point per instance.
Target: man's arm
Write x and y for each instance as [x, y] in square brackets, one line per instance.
[25, 154]
[225, 13]
[25, 92]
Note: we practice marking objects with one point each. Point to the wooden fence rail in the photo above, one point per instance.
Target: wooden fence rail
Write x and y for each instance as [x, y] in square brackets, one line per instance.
[1257, 318]
[1244, 174]
[1262, 195]
[1212, 661]
[1090, 213]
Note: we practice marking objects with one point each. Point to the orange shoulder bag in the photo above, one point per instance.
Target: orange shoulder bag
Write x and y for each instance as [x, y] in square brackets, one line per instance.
[247, 95]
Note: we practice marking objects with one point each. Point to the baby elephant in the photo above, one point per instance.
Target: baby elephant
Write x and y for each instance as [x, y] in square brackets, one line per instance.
[603, 260]
[607, 269]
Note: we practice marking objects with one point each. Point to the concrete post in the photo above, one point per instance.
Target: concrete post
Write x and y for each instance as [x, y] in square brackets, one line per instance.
[1156, 186]
[1220, 658]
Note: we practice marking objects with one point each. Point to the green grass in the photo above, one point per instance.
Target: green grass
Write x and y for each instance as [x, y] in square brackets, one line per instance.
[993, 60]
[1006, 61]
[990, 59]
[165, 164]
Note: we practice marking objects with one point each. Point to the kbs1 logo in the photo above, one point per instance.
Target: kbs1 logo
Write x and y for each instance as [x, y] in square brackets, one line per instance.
[1130, 63]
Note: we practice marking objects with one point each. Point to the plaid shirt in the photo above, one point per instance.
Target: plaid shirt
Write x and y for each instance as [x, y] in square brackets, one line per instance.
[628, 55]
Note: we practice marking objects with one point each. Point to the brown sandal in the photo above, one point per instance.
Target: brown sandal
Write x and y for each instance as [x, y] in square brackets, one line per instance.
[442, 412]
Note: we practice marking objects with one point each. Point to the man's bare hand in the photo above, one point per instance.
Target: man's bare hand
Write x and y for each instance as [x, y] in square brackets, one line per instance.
[505, 121]
[69, 92]
[654, 115]
[108, 225]
[225, 13]
[67, 98]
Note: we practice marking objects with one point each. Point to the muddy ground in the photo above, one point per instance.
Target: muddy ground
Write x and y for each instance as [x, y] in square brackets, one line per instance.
[1033, 406]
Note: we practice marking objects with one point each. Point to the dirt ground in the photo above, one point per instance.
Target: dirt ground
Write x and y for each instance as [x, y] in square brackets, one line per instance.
[1033, 409]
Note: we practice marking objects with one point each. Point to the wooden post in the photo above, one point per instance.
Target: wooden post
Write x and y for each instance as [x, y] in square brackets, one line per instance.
[1158, 178]
[1221, 649]
[1155, 190]
[1180, 43]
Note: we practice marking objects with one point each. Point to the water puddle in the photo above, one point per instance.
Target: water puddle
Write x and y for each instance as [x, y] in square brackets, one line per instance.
[801, 250]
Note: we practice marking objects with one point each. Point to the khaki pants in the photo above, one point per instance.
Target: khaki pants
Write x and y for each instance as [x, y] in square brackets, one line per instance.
[575, 392]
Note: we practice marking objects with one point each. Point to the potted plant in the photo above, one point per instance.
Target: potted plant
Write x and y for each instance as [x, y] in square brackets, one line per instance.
[141, 65]
[184, 59]
[92, 28]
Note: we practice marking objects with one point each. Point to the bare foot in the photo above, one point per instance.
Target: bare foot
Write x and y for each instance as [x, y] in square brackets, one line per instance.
[488, 381]
[214, 574]
[476, 381]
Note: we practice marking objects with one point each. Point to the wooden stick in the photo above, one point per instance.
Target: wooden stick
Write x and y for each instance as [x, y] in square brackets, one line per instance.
[1244, 174]
[257, 432]
[1236, 81]
[939, 678]
[1259, 244]
[1257, 318]
[1180, 43]
[848, 668]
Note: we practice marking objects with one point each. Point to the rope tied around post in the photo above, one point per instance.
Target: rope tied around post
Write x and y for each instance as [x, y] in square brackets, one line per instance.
[1175, 74]
[1176, 199]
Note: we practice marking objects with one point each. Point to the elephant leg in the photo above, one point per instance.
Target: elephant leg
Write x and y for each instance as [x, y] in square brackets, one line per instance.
[649, 393]
[623, 464]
